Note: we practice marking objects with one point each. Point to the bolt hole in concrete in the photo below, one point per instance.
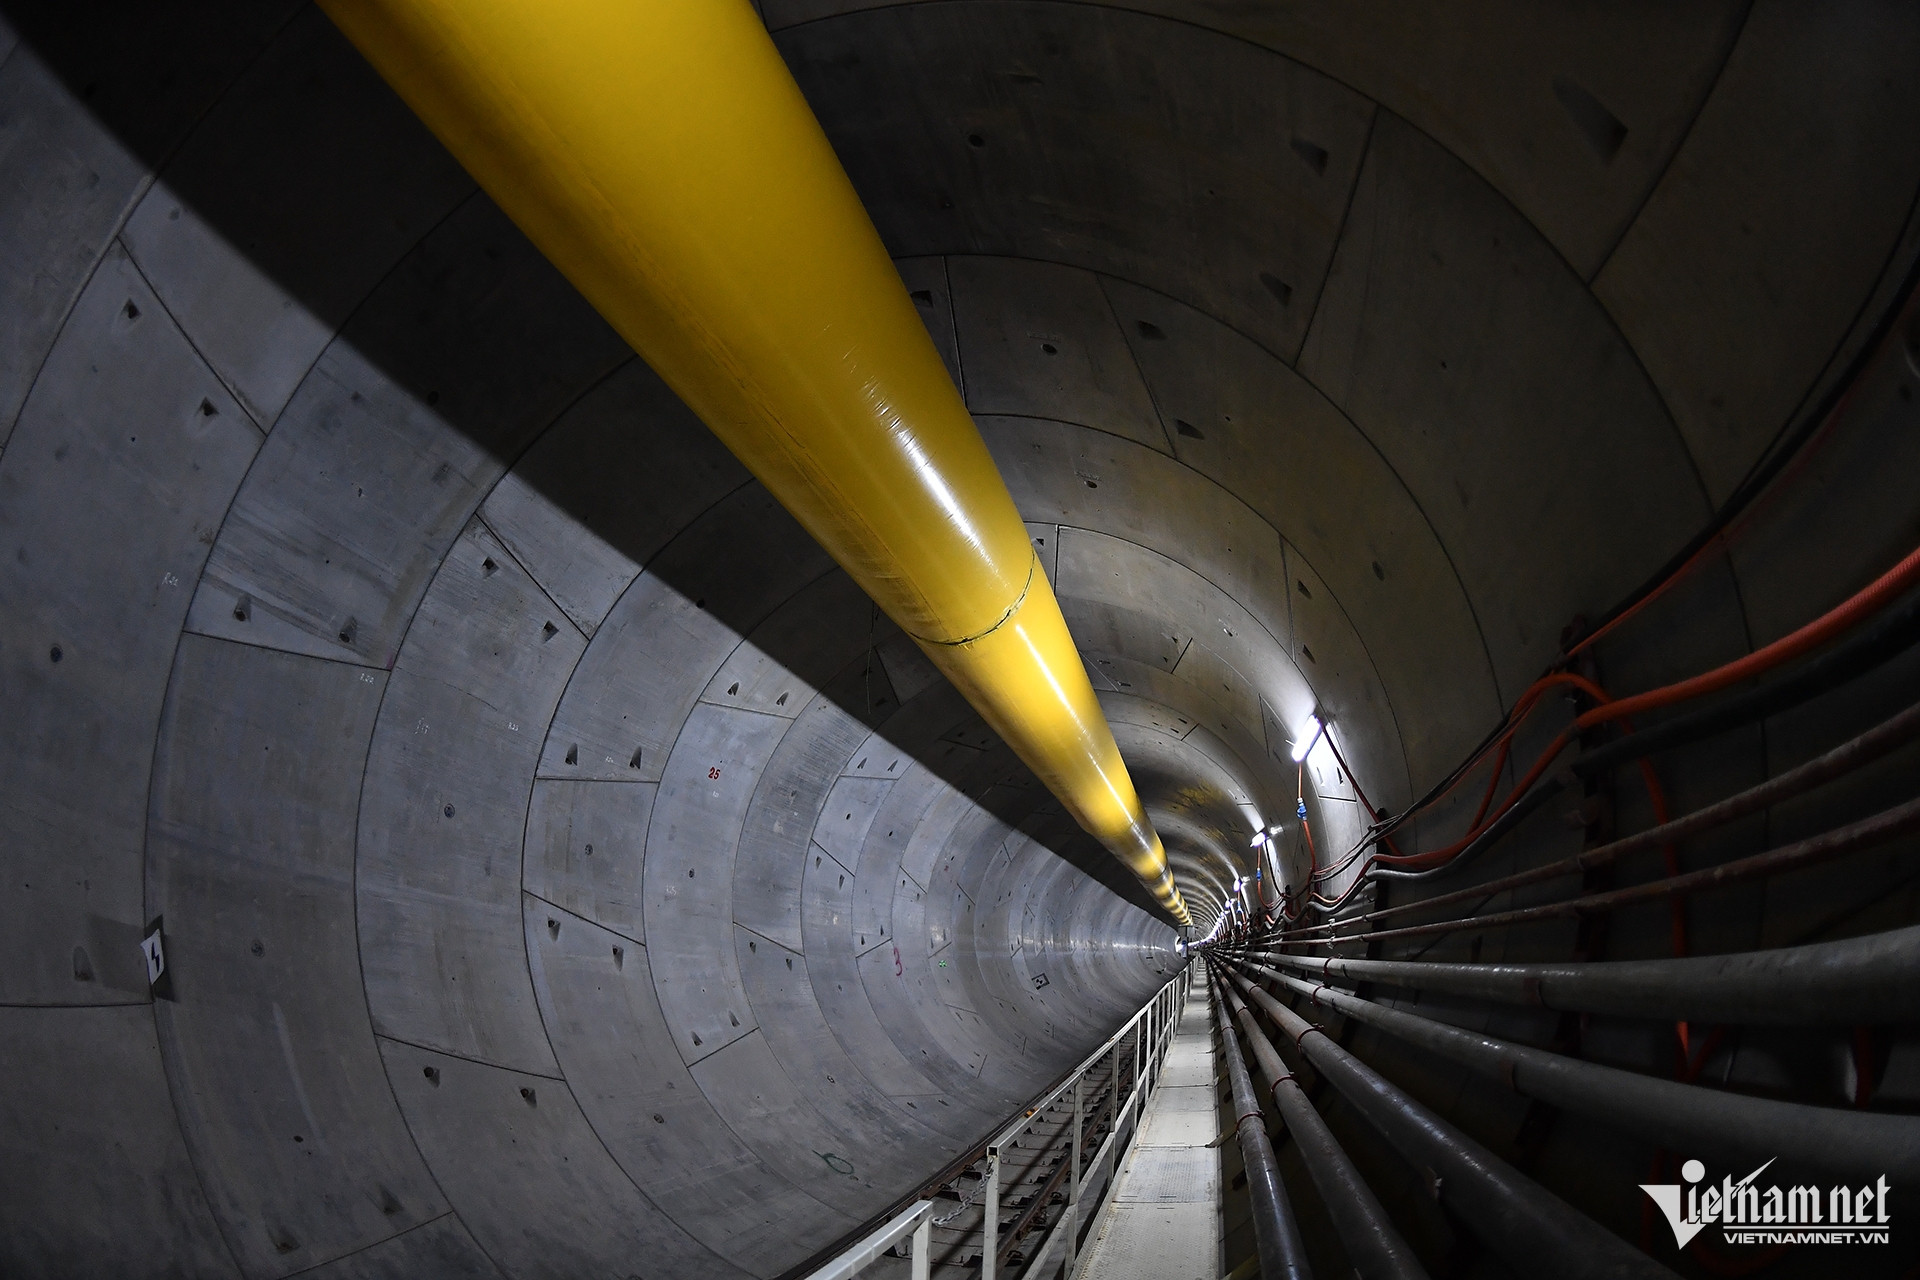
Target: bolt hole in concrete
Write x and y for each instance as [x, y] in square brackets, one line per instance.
[54, 654]
[1050, 349]
[547, 632]
[1149, 331]
[432, 1074]
[527, 1096]
[1280, 289]
[448, 811]
[1187, 429]
[975, 140]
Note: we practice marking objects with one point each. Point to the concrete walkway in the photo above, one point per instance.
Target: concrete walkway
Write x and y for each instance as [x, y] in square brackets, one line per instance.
[1164, 1223]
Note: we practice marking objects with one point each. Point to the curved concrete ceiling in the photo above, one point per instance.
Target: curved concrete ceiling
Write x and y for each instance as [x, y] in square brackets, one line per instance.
[561, 863]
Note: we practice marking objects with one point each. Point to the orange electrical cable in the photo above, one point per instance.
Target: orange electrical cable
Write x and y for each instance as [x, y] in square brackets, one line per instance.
[1856, 609]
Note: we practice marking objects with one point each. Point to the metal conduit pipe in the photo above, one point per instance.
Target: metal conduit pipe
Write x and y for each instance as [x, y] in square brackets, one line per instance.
[663, 159]
[1276, 1235]
[1847, 983]
[1855, 837]
[1885, 737]
[1685, 1117]
[1376, 1250]
[1838, 762]
[1872, 646]
[1533, 1229]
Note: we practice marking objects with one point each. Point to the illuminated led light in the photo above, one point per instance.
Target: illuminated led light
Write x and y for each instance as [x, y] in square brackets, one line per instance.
[1308, 735]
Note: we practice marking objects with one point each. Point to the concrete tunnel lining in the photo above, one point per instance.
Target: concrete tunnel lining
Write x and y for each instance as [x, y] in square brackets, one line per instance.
[306, 449]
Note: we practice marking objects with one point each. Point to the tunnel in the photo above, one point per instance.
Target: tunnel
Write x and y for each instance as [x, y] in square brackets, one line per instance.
[457, 821]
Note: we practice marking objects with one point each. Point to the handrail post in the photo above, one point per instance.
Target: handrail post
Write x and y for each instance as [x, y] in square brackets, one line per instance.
[923, 1248]
[990, 1224]
[1073, 1189]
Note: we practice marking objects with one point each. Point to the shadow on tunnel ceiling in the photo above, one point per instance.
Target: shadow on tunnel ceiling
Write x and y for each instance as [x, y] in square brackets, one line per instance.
[464, 325]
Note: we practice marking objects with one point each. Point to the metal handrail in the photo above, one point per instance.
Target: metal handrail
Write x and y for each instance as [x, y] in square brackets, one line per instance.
[1158, 1015]
[916, 1221]
[1156, 1021]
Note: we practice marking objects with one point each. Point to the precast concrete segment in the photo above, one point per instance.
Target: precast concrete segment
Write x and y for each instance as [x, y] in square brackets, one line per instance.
[84, 164]
[342, 181]
[1244, 419]
[109, 494]
[442, 1247]
[276, 1078]
[585, 531]
[1748, 164]
[1553, 146]
[64, 1210]
[443, 815]
[794, 342]
[532, 1182]
[655, 653]
[392, 440]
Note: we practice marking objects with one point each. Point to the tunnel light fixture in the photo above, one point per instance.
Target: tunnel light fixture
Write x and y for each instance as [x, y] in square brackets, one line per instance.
[1308, 734]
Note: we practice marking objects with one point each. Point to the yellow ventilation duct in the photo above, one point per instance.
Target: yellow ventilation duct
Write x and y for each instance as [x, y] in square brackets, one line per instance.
[659, 153]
